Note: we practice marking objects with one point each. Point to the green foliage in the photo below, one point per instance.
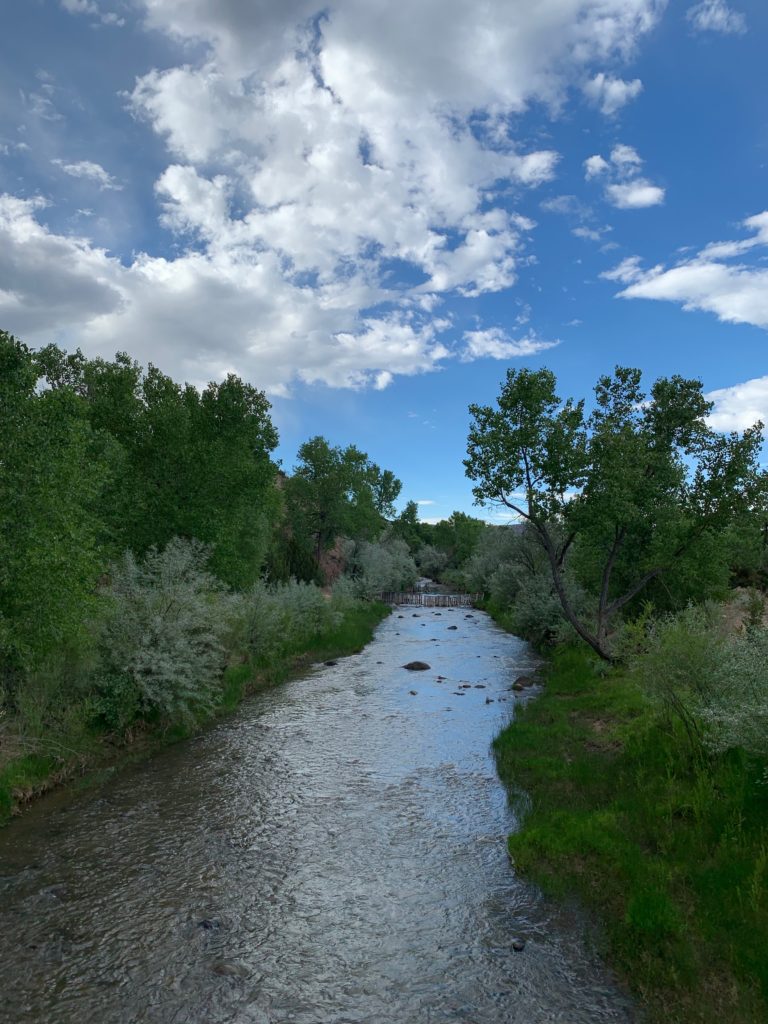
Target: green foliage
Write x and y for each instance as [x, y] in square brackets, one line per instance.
[103, 463]
[715, 682]
[160, 640]
[457, 536]
[283, 618]
[383, 566]
[667, 848]
[337, 492]
[52, 476]
[634, 493]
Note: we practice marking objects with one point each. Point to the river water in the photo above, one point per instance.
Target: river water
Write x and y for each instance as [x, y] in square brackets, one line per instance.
[332, 853]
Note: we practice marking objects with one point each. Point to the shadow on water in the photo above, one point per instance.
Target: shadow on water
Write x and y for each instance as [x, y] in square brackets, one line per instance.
[334, 852]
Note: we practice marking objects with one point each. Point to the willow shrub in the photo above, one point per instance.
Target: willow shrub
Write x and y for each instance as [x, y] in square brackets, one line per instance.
[280, 619]
[161, 648]
[713, 681]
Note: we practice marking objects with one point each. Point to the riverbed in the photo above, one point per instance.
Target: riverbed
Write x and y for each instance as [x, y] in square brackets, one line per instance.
[332, 853]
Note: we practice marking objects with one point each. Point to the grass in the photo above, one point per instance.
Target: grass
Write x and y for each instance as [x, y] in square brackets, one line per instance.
[79, 756]
[669, 850]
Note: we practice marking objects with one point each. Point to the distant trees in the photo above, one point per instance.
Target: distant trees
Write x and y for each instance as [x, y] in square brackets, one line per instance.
[630, 492]
[337, 492]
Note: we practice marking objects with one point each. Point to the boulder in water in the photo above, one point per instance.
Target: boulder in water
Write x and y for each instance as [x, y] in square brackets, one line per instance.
[417, 666]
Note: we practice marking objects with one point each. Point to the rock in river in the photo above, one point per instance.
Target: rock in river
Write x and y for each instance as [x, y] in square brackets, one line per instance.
[417, 666]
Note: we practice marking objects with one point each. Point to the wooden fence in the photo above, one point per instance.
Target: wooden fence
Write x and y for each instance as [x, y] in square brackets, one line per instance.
[430, 600]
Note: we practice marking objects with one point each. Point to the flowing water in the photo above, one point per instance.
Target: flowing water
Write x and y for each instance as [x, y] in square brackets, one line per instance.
[332, 853]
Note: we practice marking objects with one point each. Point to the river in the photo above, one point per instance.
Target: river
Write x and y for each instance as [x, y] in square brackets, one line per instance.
[334, 852]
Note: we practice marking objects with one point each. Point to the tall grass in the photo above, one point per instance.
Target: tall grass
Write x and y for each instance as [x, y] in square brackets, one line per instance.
[668, 847]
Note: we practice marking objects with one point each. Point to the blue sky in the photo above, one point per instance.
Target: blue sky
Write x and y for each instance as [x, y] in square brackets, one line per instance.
[372, 210]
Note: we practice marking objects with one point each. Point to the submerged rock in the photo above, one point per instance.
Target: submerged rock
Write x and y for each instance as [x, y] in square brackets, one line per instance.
[453, 627]
[227, 970]
[417, 666]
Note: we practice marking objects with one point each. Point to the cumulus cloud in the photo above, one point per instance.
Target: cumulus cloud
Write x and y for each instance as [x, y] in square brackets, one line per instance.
[334, 173]
[49, 281]
[611, 94]
[635, 194]
[716, 16]
[90, 171]
[91, 8]
[624, 188]
[735, 293]
[594, 166]
[740, 406]
[628, 270]
[494, 343]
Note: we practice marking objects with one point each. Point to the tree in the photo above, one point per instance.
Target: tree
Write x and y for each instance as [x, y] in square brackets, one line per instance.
[457, 536]
[339, 492]
[52, 475]
[638, 483]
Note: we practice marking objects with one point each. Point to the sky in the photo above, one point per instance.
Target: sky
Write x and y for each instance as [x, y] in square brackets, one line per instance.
[372, 210]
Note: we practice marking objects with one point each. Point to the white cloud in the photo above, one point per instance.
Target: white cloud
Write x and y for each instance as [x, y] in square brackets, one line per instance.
[635, 194]
[91, 8]
[334, 174]
[426, 501]
[628, 270]
[494, 343]
[626, 190]
[592, 234]
[716, 16]
[91, 172]
[734, 293]
[594, 166]
[739, 406]
[47, 281]
[611, 94]
[625, 157]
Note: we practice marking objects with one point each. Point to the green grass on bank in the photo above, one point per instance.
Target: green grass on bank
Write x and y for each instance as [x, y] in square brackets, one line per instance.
[669, 850]
[79, 754]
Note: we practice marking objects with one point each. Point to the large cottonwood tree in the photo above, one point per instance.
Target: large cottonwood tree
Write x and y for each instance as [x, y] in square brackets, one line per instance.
[637, 483]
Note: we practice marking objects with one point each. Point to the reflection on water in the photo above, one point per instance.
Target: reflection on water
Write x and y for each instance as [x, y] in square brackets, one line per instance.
[334, 852]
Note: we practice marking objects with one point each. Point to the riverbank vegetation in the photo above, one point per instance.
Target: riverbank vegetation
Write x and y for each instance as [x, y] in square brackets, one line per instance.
[155, 558]
[638, 566]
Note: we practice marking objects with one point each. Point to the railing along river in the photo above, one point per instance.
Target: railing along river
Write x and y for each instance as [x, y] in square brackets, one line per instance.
[424, 600]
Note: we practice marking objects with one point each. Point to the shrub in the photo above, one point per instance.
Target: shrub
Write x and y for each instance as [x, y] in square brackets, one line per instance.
[160, 638]
[735, 709]
[385, 565]
[282, 618]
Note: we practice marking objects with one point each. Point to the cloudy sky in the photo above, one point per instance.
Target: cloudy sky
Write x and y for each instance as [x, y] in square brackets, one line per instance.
[370, 210]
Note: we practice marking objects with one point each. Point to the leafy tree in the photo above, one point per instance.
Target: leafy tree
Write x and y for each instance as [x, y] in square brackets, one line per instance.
[339, 492]
[52, 475]
[639, 483]
[408, 528]
[457, 536]
[188, 463]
